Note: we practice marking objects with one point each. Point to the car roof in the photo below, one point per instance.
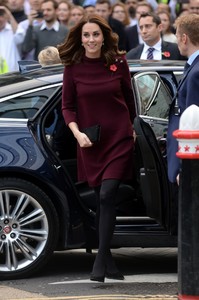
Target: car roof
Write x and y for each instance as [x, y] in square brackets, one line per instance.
[156, 65]
[14, 82]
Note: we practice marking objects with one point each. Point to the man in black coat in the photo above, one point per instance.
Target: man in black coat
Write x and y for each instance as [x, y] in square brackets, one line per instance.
[153, 47]
[103, 9]
[132, 37]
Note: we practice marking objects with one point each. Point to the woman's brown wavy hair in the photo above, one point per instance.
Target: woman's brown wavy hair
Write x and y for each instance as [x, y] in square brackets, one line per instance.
[72, 51]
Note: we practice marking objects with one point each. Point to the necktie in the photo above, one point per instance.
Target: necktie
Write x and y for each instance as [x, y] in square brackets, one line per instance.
[150, 53]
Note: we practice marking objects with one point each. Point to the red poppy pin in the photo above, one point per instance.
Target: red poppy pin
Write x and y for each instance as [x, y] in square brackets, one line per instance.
[113, 68]
[166, 54]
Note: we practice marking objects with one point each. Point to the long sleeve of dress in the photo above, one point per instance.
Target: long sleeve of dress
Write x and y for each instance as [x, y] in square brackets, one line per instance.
[69, 105]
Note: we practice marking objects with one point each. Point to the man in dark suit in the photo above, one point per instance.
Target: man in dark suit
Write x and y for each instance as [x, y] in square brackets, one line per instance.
[153, 47]
[103, 9]
[133, 36]
[187, 92]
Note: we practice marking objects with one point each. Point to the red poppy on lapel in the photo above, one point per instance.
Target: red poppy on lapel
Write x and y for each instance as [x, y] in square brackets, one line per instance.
[113, 68]
[166, 54]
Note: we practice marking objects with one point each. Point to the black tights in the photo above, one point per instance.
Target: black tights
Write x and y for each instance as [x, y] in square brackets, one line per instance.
[105, 224]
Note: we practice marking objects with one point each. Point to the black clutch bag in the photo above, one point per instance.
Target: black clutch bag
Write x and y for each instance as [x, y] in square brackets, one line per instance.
[93, 133]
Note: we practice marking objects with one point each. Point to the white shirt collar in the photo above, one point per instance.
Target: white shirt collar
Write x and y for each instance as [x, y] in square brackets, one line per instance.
[157, 46]
[192, 57]
[55, 26]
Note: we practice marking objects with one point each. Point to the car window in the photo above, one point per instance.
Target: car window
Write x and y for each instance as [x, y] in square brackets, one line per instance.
[159, 105]
[153, 96]
[25, 106]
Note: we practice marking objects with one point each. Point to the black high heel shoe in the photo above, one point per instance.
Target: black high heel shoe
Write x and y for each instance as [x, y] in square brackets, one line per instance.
[112, 271]
[97, 278]
[99, 269]
[116, 275]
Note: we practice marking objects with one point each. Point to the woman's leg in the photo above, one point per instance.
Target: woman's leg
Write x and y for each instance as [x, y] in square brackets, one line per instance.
[111, 267]
[97, 214]
[106, 215]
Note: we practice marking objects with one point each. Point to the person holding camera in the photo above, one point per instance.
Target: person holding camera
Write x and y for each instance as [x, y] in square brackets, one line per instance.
[35, 18]
[49, 33]
[9, 54]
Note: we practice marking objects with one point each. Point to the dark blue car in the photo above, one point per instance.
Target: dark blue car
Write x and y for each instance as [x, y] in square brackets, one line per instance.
[43, 207]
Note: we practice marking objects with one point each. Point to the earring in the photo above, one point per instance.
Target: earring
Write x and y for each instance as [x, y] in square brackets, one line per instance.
[103, 44]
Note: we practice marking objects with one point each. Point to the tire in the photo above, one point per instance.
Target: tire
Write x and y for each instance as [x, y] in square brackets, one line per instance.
[29, 228]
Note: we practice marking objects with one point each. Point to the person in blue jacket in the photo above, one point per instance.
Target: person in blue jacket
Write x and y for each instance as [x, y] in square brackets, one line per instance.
[188, 89]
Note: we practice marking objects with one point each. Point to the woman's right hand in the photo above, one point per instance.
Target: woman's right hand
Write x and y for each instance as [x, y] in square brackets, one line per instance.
[83, 140]
[81, 137]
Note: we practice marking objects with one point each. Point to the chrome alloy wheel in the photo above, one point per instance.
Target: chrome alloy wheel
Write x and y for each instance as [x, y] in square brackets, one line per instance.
[23, 230]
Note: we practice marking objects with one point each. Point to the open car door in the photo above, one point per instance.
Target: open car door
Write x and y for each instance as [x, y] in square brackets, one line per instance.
[153, 104]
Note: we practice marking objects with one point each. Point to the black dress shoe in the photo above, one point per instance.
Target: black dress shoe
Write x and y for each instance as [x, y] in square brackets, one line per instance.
[117, 275]
[97, 278]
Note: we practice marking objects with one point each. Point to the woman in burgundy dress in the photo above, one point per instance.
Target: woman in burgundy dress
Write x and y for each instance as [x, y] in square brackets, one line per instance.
[97, 90]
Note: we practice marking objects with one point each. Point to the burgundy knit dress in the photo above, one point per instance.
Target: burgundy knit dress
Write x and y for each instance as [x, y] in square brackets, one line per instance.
[96, 94]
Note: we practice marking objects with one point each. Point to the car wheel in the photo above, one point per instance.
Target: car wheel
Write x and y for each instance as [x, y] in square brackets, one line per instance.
[28, 228]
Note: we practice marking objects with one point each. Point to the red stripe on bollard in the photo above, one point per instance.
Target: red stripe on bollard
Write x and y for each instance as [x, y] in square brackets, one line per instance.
[188, 297]
[186, 134]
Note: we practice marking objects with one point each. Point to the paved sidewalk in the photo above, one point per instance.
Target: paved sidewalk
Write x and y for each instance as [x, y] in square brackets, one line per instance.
[8, 293]
[138, 286]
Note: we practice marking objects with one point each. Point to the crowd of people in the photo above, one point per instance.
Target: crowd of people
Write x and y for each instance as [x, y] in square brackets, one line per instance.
[29, 26]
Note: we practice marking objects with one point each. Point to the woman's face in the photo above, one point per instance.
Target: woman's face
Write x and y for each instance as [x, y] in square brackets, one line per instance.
[76, 15]
[92, 39]
[165, 21]
[63, 12]
[119, 13]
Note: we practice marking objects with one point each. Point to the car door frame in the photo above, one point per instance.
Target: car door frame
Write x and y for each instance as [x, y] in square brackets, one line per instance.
[153, 121]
